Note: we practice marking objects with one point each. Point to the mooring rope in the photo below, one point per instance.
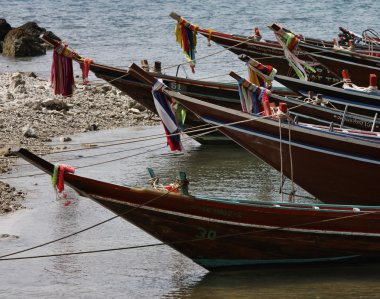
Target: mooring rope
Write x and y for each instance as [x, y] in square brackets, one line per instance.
[99, 163]
[215, 127]
[89, 165]
[281, 162]
[197, 129]
[293, 192]
[95, 145]
[87, 228]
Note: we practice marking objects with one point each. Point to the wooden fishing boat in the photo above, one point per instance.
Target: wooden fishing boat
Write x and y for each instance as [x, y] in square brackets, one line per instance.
[227, 95]
[224, 94]
[358, 106]
[267, 52]
[337, 58]
[335, 167]
[142, 92]
[327, 60]
[236, 233]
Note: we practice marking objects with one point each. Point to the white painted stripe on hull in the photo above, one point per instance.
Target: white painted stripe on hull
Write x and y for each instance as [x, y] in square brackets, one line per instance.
[266, 227]
[293, 143]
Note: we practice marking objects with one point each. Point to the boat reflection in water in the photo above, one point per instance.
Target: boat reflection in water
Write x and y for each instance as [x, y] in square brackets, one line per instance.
[349, 282]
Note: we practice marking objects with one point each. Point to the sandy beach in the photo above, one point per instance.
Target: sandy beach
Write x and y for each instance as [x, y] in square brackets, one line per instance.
[30, 115]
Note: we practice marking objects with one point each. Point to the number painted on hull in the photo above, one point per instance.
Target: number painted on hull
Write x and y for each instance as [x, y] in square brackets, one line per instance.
[175, 86]
[206, 234]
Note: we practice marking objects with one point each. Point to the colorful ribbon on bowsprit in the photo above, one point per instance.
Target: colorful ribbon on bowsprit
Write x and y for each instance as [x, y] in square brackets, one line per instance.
[164, 109]
[260, 75]
[289, 43]
[58, 177]
[187, 39]
[62, 74]
[252, 96]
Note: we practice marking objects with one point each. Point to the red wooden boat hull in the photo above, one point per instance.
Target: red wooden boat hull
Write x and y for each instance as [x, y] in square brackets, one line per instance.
[271, 53]
[223, 94]
[332, 61]
[219, 93]
[336, 168]
[268, 52]
[225, 233]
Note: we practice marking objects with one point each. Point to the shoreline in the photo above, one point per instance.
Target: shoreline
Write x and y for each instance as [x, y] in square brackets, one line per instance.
[31, 115]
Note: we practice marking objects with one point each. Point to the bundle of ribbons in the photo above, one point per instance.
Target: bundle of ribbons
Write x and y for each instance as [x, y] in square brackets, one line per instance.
[257, 90]
[252, 96]
[186, 37]
[259, 74]
[62, 75]
[289, 43]
[165, 109]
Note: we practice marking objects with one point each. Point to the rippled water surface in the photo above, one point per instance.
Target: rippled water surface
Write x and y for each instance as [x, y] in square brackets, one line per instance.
[118, 33]
[121, 32]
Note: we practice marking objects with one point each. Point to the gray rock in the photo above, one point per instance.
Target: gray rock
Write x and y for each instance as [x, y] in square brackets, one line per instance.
[55, 104]
[31, 75]
[8, 236]
[134, 110]
[50, 102]
[8, 96]
[5, 151]
[106, 88]
[65, 139]
[16, 76]
[4, 29]
[92, 127]
[16, 80]
[33, 29]
[20, 88]
[29, 132]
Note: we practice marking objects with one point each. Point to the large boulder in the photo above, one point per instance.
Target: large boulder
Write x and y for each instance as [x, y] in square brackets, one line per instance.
[24, 41]
[4, 29]
[33, 29]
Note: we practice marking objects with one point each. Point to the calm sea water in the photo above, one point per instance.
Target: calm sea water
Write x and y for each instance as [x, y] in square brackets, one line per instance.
[119, 33]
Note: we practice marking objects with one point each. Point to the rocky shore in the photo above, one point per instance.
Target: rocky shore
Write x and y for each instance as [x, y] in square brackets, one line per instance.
[30, 115]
